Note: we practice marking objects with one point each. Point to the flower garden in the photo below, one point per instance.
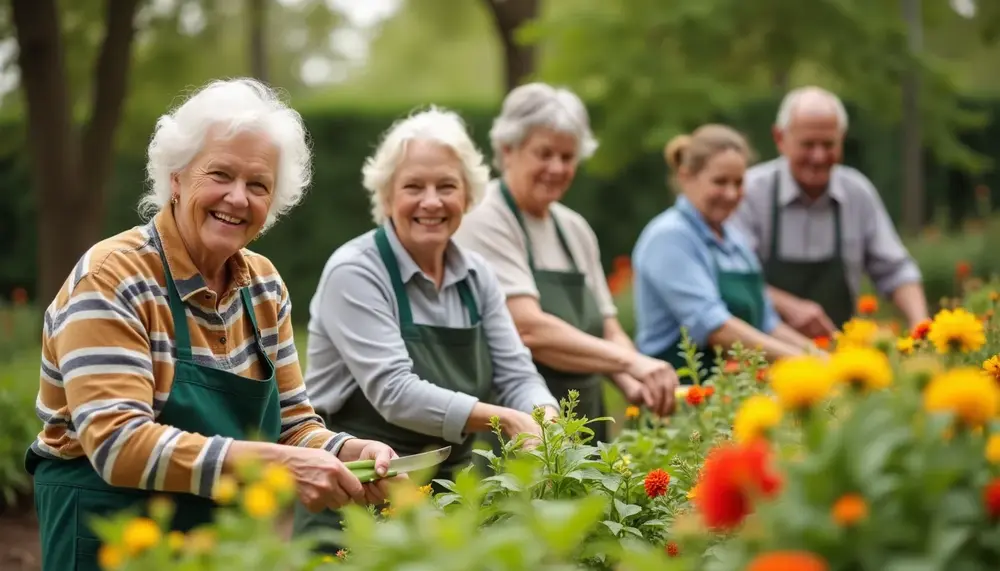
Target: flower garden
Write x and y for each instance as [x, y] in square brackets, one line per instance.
[882, 455]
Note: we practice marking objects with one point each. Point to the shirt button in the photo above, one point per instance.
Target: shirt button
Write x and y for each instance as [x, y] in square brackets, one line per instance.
[222, 340]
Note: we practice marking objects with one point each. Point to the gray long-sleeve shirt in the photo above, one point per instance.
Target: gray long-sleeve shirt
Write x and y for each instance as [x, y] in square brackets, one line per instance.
[355, 341]
[870, 242]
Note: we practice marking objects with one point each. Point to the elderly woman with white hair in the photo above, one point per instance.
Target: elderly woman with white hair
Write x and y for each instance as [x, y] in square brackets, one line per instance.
[409, 335]
[168, 357]
[548, 260]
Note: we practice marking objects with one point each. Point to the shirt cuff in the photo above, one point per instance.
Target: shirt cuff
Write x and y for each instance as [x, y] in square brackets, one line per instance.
[705, 324]
[907, 274]
[457, 416]
[336, 442]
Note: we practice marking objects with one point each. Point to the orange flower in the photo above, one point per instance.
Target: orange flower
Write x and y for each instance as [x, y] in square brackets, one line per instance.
[920, 330]
[732, 367]
[709, 391]
[991, 498]
[695, 395]
[867, 304]
[849, 510]
[672, 549]
[963, 270]
[788, 561]
[762, 374]
[732, 476]
[822, 342]
[656, 483]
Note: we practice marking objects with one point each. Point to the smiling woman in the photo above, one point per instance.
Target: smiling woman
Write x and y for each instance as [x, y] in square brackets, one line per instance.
[168, 355]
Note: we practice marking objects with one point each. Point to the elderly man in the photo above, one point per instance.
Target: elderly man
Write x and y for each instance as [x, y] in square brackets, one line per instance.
[818, 226]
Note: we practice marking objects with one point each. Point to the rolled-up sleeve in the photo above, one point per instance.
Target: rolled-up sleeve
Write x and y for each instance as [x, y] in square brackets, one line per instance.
[515, 378]
[357, 315]
[887, 261]
[682, 279]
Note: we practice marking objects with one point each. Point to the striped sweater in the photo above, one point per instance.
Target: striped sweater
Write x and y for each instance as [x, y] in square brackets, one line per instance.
[108, 359]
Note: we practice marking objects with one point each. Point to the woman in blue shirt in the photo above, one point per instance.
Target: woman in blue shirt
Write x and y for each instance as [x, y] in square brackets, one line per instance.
[692, 267]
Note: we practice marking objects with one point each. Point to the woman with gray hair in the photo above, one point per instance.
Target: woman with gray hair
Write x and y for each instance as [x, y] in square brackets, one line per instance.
[548, 260]
[409, 336]
[168, 356]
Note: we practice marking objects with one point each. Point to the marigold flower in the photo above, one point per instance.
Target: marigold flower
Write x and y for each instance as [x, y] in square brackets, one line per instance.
[225, 489]
[709, 391]
[732, 476]
[631, 412]
[732, 367]
[963, 269]
[956, 330]
[993, 449]
[905, 345]
[762, 374]
[992, 366]
[695, 395]
[800, 382]
[279, 479]
[967, 392]
[259, 501]
[849, 509]
[788, 561]
[920, 330]
[656, 483]
[995, 296]
[863, 368]
[858, 331]
[140, 534]
[110, 557]
[822, 342]
[867, 304]
[175, 540]
[991, 498]
[756, 415]
[427, 490]
[672, 549]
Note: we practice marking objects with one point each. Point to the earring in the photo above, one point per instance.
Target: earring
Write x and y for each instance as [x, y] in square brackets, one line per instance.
[173, 199]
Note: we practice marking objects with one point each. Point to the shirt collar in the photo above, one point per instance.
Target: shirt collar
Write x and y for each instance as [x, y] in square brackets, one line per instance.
[187, 279]
[456, 266]
[701, 227]
[789, 190]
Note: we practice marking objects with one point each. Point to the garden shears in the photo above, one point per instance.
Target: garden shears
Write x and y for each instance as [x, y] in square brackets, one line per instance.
[365, 469]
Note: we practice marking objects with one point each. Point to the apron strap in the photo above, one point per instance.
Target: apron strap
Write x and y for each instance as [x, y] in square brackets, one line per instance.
[512, 205]
[248, 308]
[182, 335]
[838, 247]
[402, 300]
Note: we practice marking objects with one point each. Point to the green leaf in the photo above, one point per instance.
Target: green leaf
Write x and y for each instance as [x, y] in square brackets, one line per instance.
[626, 510]
[615, 527]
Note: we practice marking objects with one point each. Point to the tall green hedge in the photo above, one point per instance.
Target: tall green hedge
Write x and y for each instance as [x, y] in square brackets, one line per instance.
[336, 208]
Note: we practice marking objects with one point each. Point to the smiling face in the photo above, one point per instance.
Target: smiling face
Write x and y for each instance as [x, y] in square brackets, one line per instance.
[224, 195]
[716, 189]
[428, 197]
[541, 169]
[813, 143]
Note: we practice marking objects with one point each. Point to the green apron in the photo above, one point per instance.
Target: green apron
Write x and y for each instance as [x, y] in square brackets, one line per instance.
[205, 400]
[743, 294]
[566, 295]
[822, 281]
[452, 358]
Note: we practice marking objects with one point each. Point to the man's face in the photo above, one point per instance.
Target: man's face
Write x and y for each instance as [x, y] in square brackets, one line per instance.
[813, 143]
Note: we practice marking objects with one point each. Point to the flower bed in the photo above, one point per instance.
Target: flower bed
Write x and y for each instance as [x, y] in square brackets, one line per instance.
[886, 456]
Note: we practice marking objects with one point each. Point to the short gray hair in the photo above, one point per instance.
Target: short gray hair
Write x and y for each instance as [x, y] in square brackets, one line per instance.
[813, 97]
[435, 125]
[540, 105]
[235, 105]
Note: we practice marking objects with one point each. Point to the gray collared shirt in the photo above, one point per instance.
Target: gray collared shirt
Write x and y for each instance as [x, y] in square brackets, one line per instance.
[870, 244]
[355, 341]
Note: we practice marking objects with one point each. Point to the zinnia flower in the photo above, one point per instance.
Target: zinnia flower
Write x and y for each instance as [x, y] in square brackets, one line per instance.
[672, 549]
[867, 304]
[656, 483]
[858, 332]
[788, 561]
[849, 509]
[967, 392]
[801, 382]
[920, 330]
[956, 330]
[863, 368]
[822, 342]
[695, 395]
[991, 498]
[732, 477]
[992, 366]
[756, 415]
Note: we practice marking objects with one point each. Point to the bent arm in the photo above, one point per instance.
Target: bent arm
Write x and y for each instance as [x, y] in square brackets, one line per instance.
[736, 330]
[783, 301]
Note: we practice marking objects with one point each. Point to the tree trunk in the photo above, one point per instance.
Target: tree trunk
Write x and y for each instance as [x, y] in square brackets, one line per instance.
[519, 60]
[258, 48]
[912, 143]
[70, 170]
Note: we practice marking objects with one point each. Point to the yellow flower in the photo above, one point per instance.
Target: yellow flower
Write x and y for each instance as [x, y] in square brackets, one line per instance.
[858, 332]
[995, 296]
[693, 492]
[110, 557]
[626, 459]
[800, 382]
[140, 534]
[756, 415]
[992, 366]
[905, 345]
[861, 367]
[388, 512]
[967, 392]
[279, 479]
[993, 449]
[225, 490]
[406, 495]
[427, 490]
[326, 559]
[632, 412]
[956, 330]
[201, 541]
[175, 540]
[259, 501]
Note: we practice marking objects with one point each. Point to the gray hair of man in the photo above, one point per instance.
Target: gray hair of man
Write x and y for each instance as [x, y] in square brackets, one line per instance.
[434, 125]
[231, 106]
[812, 100]
[535, 105]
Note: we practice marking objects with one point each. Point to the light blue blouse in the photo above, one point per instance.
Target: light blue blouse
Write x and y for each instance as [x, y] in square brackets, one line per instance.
[675, 279]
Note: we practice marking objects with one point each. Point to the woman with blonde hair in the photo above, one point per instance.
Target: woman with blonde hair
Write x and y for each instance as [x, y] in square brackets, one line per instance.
[694, 270]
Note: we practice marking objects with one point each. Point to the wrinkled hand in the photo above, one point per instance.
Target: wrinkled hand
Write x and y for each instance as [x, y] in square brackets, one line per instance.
[514, 422]
[376, 491]
[635, 393]
[321, 479]
[660, 380]
[809, 318]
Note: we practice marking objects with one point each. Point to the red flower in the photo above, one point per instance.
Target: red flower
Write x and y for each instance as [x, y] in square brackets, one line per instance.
[991, 497]
[709, 391]
[732, 477]
[656, 483]
[822, 342]
[695, 395]
[921, 329]
[731, 367]
[672, 549]
[787, 561]
[762, 375]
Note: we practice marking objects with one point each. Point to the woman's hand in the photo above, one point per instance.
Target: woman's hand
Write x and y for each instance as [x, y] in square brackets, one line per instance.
[376, 491]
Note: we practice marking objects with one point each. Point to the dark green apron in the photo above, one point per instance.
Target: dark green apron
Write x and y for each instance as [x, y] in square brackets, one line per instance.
[566, 295]
[453, 358]
[822, 281]
[205, 400]
[743, 294]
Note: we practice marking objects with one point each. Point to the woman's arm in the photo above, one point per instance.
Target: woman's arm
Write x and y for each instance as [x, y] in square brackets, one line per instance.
[736, 330]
